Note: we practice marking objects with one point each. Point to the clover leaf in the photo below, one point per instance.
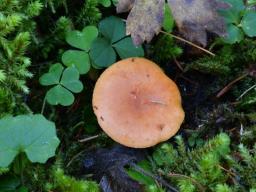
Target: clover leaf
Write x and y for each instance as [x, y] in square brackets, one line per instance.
[248, 23]
[235, 34]
[81, 40]
[66, 83]
[32, 134]
[115, 32]
[240, 21]
[112, 41]
[78, 58]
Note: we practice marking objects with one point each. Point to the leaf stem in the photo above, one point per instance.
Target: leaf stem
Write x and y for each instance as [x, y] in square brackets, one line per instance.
[188, 42]
[43, 106]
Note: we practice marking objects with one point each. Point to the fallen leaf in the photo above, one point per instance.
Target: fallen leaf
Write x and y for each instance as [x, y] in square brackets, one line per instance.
[195, 18]
[108, 167]
[145, 20]
[124, 5]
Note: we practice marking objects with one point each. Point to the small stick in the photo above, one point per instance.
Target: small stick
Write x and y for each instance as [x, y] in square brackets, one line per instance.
[228, 87]
[188, 42]
[245, 92]
[178, 64]
[74, 157]
[89, 138]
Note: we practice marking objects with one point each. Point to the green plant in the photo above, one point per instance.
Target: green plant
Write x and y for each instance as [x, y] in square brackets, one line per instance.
[168, 22]
[30, 134]
[16, 29]
[208, 167]
[66, 82]
[65, 183]
[240, 21]
[147, 181]
[112, 41]
[82, 41]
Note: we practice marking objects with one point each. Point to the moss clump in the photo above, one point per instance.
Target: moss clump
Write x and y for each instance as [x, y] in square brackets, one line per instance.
[210, 167]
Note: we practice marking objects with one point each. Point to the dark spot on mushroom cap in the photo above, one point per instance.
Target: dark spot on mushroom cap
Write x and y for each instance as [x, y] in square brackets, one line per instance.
[133, 59]
[160, 127]
[148, 75]
[95, 107]
[101, 118]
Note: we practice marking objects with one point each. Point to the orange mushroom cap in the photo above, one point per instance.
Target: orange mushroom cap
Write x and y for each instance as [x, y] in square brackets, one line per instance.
[136, 104]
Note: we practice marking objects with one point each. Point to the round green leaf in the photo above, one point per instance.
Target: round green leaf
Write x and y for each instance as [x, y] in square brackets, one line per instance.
[249, 24]
[82, 40]
[125, 49]
[95, 66]
[234, 34]
[32, 134]
[113, 28]
[102, 53]
[53, 76]
[78, 58]
[70, 80]
[230, 16]
[59, 95]
[237, 5]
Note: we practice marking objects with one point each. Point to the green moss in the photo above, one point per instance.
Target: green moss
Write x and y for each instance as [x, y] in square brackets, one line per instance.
[16, 27]
[207, 168]
[65, 183]
[165, 49]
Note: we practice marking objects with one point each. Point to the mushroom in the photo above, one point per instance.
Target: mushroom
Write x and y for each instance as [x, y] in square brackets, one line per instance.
[136, 104]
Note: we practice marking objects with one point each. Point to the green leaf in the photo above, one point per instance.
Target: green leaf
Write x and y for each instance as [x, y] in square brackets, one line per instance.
[53, 76]
[2, 75]
[141, 178]
[82, 40]
[249, 23]
[105, 3]
[102, 53]
[168, 22]
[23, 189]
[70, 80]
[32, 134]
[125, 49]
[230, 16]
[59, 95]
[237, 5]
[78, 58]
[235, 35]
[113, 28]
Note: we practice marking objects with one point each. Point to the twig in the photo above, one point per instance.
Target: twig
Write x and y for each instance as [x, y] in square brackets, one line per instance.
[228, 171]
[178, 64]
[157, 178]
[246, 91]
[89, 138]
[188, 42]
[228, 87]
[74, 157]
[200, 186]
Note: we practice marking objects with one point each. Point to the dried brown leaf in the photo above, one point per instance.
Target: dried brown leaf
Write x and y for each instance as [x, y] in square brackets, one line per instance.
[124, 6]
[145, 20]
[195, 17]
